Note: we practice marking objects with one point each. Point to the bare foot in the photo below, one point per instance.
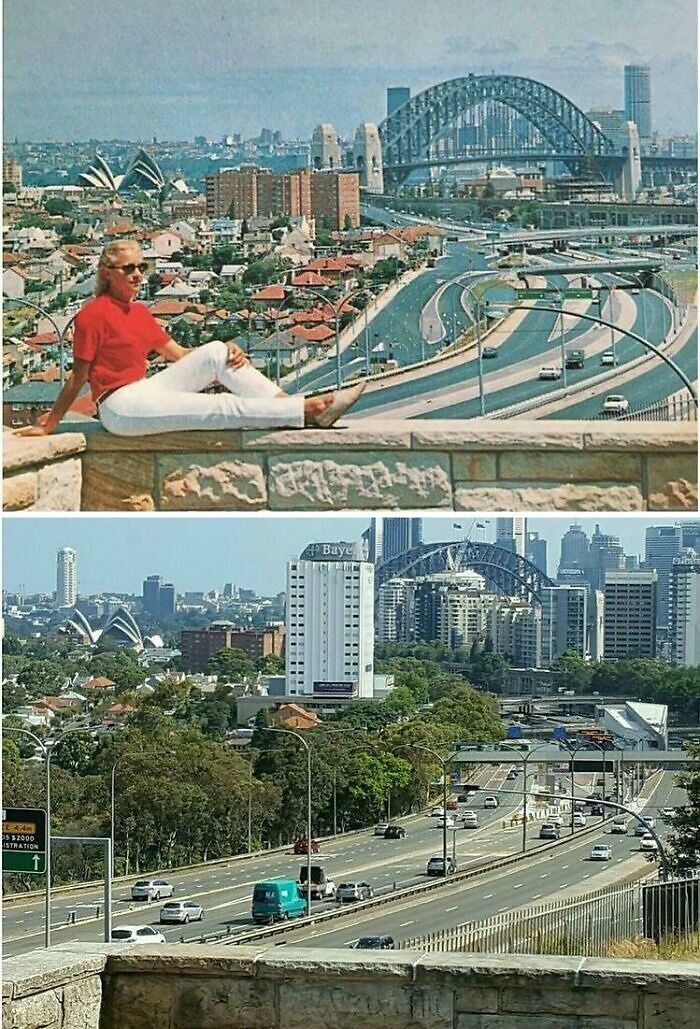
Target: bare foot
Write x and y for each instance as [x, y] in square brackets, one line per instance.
[314, 406]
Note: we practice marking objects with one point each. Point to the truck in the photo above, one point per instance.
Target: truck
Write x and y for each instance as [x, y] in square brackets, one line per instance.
[321, 886]
[575, 358]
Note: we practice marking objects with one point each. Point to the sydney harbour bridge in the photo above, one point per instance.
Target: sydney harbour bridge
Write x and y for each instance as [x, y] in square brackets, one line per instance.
[505, 572]
[481, 118]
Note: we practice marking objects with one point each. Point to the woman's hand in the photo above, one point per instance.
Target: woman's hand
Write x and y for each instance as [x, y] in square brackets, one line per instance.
[236, 357]
[43, 427]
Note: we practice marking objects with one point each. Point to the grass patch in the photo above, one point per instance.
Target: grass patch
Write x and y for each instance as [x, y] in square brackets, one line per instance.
[668, 949]
[684, 281]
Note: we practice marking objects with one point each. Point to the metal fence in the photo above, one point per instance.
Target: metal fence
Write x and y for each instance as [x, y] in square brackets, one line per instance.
[585, 925]
[678, 408]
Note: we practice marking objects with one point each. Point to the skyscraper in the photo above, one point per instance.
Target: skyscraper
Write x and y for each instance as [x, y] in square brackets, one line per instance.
[564, 618]
[690, 535]
[66, 578]
[684, 613]
[638, 97]
[511, 534]
[630, 614]
[574, 549]
[150, 594]
[396, 96]
[330, 622]
[605, 554]
[166, 599]
[536, 551]
[663, 542]
[373, 540]
[400, 536]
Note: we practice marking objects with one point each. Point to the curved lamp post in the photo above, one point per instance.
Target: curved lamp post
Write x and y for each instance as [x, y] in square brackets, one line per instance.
[525, 758]
[443, 762]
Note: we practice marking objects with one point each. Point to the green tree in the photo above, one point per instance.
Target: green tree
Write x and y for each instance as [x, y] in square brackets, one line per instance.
[684, 837]
[231, 664]
[271, 664]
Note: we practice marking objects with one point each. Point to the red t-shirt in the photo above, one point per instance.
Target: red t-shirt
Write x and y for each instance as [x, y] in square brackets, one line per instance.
[116, 338]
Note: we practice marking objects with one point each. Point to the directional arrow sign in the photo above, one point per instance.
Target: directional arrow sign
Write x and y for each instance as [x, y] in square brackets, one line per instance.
[531, 294]
[578, 294]
[24, 840]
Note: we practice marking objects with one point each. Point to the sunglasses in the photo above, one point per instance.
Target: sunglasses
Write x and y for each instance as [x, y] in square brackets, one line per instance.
[129, 269]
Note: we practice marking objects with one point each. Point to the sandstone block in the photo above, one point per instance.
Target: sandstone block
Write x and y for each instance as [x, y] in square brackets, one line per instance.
[363, 1005]
[669, 1010]
[36, 1011]
[203, 440]
[206, 482]
[474, 467]
[672, 482]
[480, 434]
[137, 1002]
[224, 1004]
[519, 1021]
[82, 1001]
[24, 451]
[557, 466]
[360, 481]
[59, 486]
[568, 1000]
[20, 491]
[375, 435]
[518, 496]
[118, 482]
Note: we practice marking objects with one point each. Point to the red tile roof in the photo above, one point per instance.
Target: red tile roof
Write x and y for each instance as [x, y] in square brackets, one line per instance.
[275, 291]
[318, 334]
[310, 278]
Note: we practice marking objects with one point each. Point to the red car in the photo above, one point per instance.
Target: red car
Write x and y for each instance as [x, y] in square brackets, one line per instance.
[301, 846]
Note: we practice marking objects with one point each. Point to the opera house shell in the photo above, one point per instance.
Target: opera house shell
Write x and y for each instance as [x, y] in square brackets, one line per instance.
[142, 173]
[120, 626]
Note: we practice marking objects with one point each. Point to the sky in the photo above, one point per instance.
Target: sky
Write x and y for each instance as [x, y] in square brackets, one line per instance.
[132, 69]
[115, 554]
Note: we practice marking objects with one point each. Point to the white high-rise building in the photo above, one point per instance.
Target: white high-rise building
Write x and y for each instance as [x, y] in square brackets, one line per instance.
[564, 616]
[511, 534]
[393, 610]
[66, 577]
[630, 614]
[330, 622]
[684, 610]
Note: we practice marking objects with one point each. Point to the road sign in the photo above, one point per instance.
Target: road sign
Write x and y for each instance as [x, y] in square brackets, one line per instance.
[24, 840]
[531, 294]
[578, 294]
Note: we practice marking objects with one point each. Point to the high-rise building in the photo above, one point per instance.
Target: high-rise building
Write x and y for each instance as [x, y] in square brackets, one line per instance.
[536, 551]
[605, 554]
[690, 535]
[511, 534]
[373, 539]
[396, 96]
[400, 536]
[564, 620]
[232, 193]
[574, 549]
[630, 614]
[638, 97]
[150, 594]
[286, 193]
[330, 622]
[66, 577]
[12, 173]
[663, 542]
[199, 645]
[684, 614]
[335, 199]
[166, 599]
[394, 611]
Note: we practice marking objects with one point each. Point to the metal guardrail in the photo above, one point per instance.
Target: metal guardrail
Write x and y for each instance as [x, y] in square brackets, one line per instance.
[678, 408]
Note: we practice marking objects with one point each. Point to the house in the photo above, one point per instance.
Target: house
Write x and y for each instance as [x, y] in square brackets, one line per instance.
[231, 273]
[167, 243]
[14, 283]
[99, 682]
[272, 293]
[177, 289]
[118, 713]
[293, 716]
[389, 245]
[22, 404]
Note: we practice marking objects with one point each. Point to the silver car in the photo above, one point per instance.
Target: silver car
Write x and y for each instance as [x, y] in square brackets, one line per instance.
[151, 889]
[354, 891]
[181, 911]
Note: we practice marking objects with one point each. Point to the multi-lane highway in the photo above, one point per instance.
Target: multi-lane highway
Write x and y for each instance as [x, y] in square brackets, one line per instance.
[225, 890]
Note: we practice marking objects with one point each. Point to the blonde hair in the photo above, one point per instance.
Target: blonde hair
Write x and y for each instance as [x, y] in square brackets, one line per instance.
[112, 250]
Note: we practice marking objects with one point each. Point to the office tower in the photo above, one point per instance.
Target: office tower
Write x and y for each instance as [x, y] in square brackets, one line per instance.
[684, 604]
[511, 534]
[663, 542]
[605, 554]
[150, 594]
[596, 625]
[690, 535]
[574, 548]
[396, 96]
[166, 599]
[373, 540]
[66, 577]
[564, 619]
[536, 551]
[526, 637]
[368, 157]
[330, 622]
[638, 97]
[400, 536]
[630, 614]
[325, 148]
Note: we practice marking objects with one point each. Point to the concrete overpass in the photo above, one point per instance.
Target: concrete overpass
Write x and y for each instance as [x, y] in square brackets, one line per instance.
[593, 233]
[583, 759]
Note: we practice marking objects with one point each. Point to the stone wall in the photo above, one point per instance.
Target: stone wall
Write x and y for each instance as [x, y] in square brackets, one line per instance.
[196, 987]
[370, 465]
[42, 473]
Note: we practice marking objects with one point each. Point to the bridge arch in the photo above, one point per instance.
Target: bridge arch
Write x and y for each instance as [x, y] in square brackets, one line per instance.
[509, 573]
[415, 133]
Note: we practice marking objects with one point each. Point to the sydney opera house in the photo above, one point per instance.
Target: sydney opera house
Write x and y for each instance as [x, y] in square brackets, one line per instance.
[120, 627]
[142, 173]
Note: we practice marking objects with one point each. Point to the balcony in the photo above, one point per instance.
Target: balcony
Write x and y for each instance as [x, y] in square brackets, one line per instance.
[373, 464]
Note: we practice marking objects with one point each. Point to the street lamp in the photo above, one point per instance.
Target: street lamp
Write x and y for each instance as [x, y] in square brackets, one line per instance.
[443, 762]
[524, 757]
[573, 751]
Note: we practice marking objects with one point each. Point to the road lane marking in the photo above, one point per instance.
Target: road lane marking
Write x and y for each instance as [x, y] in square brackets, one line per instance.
[563, 886]
[403, 924]
[451, 909]
[487, 896]
[518, 886]
[544, 875]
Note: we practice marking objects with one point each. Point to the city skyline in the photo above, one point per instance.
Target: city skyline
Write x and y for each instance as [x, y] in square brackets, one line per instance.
[244, 65]
[115, 556]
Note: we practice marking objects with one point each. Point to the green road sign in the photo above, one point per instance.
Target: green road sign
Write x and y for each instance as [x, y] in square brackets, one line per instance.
[531, 294]
[24, 840]
[578, 294]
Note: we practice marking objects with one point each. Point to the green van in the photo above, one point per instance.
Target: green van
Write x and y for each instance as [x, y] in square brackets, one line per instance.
[277, 901]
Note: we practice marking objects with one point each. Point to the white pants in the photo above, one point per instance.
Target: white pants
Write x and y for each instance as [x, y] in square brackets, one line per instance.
[171, 399]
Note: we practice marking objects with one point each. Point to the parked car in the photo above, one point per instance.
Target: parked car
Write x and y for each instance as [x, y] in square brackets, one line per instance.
[608, 358]
[136, 934]
[302, 846]
[619, 826]
[549, 831]
[601, 852]
[181, 911]
[648, 843]
[470, 820]
[550, 371]
[381, 828]
[374, 943]
[151, 889]
[490, 802]
[615, 403]
[354, 891]
[394, 832]
[436, 866]
[668, 812]
[642, 827]
[277, 901]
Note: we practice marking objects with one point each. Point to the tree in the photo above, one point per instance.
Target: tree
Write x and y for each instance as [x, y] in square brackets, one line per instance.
[271, 664]
[231, 664]
[684, 838]
[58, 205]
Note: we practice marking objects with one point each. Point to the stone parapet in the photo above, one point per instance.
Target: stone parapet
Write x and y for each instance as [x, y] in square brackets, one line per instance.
[42, 473]
[375, 464]
[101, 986]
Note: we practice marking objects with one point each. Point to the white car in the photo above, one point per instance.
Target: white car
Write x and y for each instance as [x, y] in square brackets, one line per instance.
[579, 820]
[550, 371]
[619, 826]
[615, 403]
[601, 852]
[354, 891]
[648, 843]
[437, 812]
[446, 822]
[470, 820]
[490, 802]
[181, 911]
[151, 889]
[380, 828]
[136, 934]
[556, 820]
[608, 358]
[641, 828]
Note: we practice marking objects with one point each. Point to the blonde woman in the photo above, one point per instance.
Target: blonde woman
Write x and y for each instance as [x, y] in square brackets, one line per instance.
[112, 337]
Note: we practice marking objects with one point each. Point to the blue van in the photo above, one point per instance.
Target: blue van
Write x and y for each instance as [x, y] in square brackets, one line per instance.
[277, 901]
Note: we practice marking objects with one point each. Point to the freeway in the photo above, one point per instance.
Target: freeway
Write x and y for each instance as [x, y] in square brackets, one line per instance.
[566, 868]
